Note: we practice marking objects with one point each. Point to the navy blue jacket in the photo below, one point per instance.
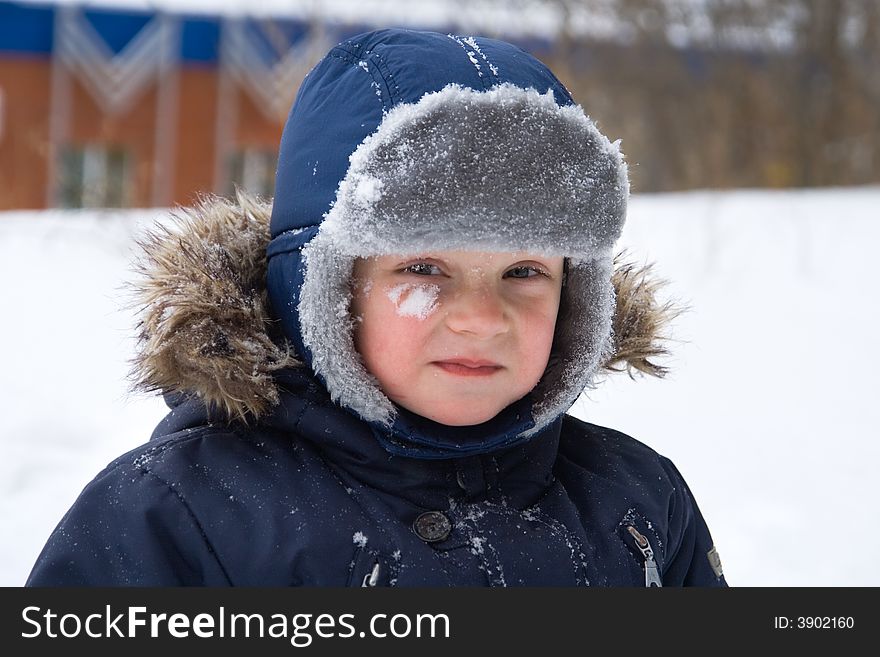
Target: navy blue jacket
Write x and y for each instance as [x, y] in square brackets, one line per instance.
[309, 497]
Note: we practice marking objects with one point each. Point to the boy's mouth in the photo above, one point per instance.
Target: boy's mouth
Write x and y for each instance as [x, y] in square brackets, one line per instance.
[467, 367]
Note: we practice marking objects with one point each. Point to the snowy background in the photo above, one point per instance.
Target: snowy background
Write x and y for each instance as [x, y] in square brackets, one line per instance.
[770, 413]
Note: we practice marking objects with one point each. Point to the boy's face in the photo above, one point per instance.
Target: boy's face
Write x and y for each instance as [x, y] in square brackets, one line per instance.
[456, 336]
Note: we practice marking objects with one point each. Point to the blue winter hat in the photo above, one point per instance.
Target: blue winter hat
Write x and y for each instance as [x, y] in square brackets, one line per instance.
[403, 141]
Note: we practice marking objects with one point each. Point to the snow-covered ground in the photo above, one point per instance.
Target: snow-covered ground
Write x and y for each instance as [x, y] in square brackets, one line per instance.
[769, 412]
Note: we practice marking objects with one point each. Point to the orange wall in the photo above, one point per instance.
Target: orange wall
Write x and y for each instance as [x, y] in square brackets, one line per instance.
[133, 130]
[254, 129]
[24, 133]
[194, 153]
[24, 142]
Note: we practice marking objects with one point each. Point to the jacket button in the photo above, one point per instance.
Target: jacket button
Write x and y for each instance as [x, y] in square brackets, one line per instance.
[432, 526]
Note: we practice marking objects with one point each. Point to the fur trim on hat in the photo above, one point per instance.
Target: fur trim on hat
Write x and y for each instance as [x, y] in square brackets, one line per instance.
[501, 170]
[205, 327]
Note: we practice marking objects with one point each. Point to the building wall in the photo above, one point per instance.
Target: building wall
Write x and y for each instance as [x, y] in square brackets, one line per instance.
[207, 126]
[195, 149]
[25, 85]
[133, 130]
[24, 131]
[253, 128]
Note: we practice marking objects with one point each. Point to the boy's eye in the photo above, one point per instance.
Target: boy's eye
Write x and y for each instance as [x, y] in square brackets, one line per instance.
[523, 272]
[423, 269]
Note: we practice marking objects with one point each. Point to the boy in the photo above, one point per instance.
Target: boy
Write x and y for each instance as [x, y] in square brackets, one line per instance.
[439, 262]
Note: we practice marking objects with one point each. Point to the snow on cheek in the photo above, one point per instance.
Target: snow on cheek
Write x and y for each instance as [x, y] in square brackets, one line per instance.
[414, 300]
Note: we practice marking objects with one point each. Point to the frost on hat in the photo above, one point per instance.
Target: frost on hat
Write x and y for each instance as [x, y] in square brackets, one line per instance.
[507, 169]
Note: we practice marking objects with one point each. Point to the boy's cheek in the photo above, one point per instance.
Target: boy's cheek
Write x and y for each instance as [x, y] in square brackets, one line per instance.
[384, 335]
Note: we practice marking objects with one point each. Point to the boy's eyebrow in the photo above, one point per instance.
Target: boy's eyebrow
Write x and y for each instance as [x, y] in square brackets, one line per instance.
[534, 257]
[419, 256]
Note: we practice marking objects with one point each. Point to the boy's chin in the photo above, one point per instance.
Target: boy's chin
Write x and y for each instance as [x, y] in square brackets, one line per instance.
[459, 417]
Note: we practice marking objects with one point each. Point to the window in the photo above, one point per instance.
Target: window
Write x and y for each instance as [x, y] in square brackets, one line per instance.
[94, 176]
[253, 170]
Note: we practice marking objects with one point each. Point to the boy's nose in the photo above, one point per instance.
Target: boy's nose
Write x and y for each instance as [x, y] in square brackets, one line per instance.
[477, 311]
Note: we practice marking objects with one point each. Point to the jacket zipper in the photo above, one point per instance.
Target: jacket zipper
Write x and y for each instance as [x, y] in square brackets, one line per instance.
[372, 577]
[652, 572]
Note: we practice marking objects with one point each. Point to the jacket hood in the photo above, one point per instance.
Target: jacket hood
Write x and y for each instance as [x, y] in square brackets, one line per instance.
[206, 330]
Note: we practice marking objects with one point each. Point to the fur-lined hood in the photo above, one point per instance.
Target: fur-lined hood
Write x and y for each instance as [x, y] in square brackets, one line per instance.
[206, 328]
